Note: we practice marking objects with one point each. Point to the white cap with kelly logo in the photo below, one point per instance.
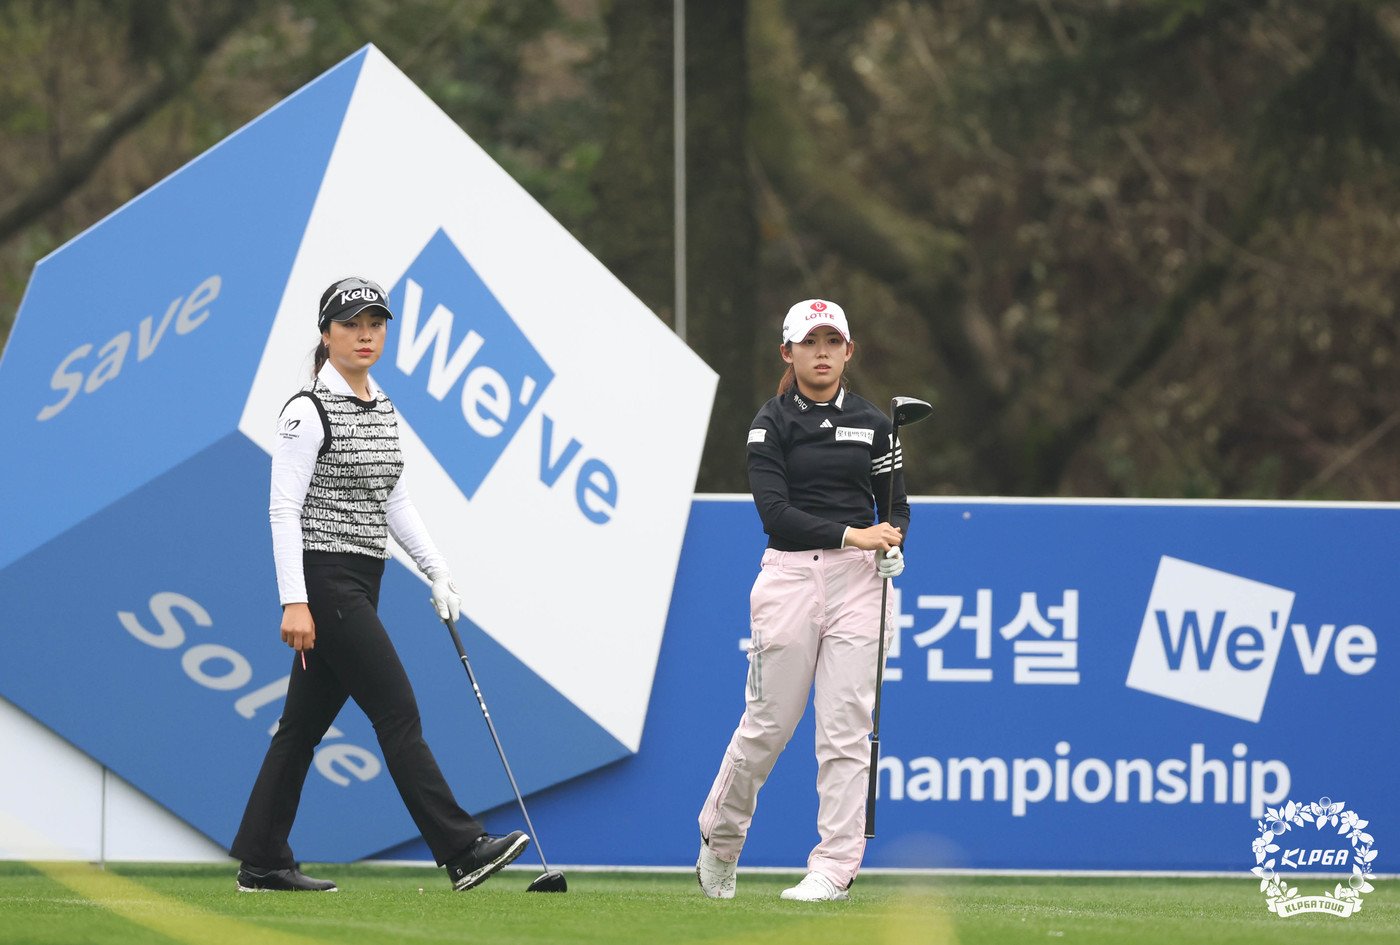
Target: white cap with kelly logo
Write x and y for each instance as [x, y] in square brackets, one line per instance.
[813, 313]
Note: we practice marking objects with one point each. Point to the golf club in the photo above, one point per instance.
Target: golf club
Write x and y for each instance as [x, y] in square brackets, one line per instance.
[903, 411]
[550, 880]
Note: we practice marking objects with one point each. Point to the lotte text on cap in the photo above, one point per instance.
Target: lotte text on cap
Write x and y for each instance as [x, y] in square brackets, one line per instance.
[813, 313]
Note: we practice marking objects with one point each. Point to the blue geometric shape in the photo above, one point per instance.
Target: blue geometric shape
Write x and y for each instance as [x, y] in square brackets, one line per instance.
[148, 362]
[131, 335]
[128, 374]
[155, 668]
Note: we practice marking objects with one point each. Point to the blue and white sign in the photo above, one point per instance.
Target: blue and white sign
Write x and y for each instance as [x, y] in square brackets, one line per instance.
[1073, 685]
[145, 373]
[443, 340]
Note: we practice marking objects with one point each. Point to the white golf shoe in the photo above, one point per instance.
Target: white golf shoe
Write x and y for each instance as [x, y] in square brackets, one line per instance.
[715, 875]
[815, 888]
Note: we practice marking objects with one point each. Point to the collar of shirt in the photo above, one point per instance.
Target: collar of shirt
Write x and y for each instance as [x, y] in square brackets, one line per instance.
[336, 384]
[803, 402]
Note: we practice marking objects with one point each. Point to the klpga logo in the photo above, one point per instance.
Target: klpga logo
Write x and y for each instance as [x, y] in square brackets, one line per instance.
[472, 376]
[1212, 639]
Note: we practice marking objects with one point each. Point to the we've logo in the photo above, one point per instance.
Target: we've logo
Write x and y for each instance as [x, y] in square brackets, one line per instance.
[469, 379]
[472, 376]
[1210, 639]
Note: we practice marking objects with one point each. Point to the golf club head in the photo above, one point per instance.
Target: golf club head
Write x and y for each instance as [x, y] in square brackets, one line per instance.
[907, 410]
[553, 881]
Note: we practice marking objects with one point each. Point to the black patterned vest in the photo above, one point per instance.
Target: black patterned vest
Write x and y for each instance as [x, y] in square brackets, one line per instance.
[355, 472]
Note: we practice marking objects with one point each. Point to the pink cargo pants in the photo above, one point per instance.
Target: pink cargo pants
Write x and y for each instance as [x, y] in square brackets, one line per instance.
[815, 617]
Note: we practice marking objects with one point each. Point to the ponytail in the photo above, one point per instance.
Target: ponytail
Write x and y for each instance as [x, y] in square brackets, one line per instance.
[319, 357]
[787, 382]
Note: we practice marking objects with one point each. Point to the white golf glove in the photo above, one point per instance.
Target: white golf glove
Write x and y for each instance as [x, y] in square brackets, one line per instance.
[889, 564]
[445, 599]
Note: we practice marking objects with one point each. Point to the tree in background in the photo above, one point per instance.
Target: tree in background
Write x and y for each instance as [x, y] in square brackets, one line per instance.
[1131, 248]
[1088, 231]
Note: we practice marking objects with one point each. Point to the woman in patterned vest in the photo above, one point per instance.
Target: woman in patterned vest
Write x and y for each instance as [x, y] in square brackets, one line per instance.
[336, 499]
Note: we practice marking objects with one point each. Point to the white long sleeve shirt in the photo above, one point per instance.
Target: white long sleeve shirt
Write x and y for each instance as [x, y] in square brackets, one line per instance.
[295, 455]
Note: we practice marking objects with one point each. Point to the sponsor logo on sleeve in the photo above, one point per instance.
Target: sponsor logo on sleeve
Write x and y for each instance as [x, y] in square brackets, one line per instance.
[757, 436]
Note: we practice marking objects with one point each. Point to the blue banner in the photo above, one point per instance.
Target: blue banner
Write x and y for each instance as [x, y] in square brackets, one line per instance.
[1071, 686]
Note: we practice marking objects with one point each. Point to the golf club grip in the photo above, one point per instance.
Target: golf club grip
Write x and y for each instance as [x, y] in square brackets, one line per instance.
[880, 660]
[894, 449]
[872, 786]
[456, 640]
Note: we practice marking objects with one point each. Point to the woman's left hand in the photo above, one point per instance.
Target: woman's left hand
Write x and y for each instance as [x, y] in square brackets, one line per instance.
[445, 599]
[889, 564]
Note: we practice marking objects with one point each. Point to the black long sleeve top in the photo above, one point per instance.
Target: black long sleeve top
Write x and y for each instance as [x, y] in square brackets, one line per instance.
[817, 468]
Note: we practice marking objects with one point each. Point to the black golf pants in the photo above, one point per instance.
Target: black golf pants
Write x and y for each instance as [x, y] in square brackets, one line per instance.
[353, 658]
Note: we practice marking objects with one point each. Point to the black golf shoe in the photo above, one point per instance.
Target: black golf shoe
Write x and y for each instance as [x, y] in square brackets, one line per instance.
[488, 854]
[252, 879]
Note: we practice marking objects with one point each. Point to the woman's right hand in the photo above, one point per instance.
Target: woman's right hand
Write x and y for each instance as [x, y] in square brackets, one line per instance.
[879, 537]
[298, 629]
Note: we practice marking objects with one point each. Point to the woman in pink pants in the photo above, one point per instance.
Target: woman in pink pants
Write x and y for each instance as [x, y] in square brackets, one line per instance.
[818, 458]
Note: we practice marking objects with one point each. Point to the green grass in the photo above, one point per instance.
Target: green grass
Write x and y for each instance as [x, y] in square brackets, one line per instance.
[197, 905]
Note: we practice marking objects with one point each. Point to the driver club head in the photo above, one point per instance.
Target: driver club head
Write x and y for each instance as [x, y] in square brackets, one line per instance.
[552, 881]
[907, 410]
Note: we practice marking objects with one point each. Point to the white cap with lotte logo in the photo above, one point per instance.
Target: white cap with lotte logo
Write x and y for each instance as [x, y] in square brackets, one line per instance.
[813, 313]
